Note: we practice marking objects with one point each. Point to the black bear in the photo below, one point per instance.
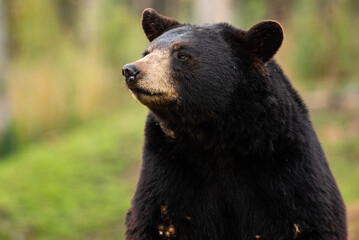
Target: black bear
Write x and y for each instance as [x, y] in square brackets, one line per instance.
[229, 152]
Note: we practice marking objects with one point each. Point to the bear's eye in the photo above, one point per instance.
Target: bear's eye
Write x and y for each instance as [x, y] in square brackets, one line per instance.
[182, 57]
[144, 53]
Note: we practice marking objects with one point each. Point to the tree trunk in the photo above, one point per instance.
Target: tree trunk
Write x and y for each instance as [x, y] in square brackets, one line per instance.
[4, 109]
[88, 19]
[213, 11]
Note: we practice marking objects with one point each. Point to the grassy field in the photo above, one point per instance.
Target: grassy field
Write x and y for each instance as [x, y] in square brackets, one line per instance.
[78, 185]
[74, 186]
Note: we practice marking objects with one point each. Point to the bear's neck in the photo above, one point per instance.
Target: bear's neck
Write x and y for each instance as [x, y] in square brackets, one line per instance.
[229, 135]
[220, 137]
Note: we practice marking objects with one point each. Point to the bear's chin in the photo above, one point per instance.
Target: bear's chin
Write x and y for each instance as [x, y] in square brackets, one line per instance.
[152, 100]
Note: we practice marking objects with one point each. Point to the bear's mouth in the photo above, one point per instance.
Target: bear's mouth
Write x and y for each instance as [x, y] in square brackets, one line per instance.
[142, 91]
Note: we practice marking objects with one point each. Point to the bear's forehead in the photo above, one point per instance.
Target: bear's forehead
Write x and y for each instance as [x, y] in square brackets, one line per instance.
[187, 34]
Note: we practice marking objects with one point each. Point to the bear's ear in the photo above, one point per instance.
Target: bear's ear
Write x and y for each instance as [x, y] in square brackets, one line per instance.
[264, 39]
[155, 24]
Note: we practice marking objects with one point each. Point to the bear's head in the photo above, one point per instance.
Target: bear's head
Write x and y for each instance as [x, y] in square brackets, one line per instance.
[192, 73]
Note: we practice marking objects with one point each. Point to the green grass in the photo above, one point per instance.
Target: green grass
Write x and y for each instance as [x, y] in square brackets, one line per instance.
[343, 158]
[342, 149]
[75, 186]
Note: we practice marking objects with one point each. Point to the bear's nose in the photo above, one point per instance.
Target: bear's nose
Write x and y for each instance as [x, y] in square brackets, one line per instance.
[130, 72]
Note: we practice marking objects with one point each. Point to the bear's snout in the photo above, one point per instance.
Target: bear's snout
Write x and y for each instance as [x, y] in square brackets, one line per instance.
[130, 72]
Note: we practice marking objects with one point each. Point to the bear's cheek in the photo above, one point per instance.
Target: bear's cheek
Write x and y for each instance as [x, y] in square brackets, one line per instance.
[154, 86]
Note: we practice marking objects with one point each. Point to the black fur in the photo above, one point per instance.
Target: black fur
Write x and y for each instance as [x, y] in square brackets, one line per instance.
[245, 162]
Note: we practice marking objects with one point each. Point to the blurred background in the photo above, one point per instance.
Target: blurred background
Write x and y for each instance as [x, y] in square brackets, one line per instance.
[71, 134]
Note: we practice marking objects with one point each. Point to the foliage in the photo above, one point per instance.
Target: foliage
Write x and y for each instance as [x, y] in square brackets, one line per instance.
[55, 83]
[122, 39]
[325, 39]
